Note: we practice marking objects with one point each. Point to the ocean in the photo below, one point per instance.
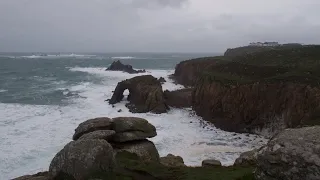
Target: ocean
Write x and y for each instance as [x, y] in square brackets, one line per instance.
[43, 98]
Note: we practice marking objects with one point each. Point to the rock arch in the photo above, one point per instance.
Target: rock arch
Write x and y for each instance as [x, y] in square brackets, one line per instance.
[145, 95]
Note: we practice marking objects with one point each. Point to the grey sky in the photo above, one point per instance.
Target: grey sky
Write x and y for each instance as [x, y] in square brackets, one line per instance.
[154, 25]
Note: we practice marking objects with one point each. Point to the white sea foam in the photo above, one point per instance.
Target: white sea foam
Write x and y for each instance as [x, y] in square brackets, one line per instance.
[31, 135]
[50, 56]
[123, 57]
[3, 90]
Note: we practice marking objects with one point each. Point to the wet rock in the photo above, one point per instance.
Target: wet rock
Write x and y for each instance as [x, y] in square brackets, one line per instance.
[144, 149]
[80, 158]
[99, 134]
[38, 176]
[172, 161]
[293, 154]
[180, 98]
[146, 95]
[132, 128]
[162, 80]
[211, 163]
[92, 125]
[247, 158]
[118, 66]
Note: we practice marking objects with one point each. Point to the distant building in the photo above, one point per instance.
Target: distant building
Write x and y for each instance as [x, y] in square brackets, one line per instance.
[266, 44]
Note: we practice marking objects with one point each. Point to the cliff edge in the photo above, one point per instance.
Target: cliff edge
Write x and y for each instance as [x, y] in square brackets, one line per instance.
[262, 92]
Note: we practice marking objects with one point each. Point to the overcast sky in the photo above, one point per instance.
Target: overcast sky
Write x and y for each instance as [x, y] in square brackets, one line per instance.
[154, 25]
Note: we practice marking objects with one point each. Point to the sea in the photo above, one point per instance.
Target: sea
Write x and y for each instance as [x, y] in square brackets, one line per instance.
[43, 98]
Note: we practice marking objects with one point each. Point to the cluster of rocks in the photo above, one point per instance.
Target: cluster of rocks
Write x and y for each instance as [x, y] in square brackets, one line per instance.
[95, 145]
[118, 66]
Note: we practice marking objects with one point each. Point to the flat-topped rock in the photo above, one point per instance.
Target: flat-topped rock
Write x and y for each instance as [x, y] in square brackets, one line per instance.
[99, 134]
[80, 158]
[132, 128]
[172, 161]
[211, 163]
[91, 125]
[125, 124]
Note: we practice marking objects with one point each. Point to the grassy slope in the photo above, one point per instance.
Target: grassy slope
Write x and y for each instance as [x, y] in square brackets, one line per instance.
[130, 168]
[300, 64]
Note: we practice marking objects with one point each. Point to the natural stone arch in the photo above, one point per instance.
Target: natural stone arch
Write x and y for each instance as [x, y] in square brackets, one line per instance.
[145, 94]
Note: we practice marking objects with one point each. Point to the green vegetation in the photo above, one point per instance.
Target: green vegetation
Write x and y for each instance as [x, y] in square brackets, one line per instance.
[295, 64]
[131, 168]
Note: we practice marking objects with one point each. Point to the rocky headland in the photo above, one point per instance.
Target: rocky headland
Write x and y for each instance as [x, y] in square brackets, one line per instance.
[261, 92]
[273, 92]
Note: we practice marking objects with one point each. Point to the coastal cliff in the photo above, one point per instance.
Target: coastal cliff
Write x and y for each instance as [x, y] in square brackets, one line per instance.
[263, 92]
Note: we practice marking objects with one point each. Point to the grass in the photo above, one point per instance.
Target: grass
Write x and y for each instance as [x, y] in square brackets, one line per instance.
[131, 168]
[297, 65]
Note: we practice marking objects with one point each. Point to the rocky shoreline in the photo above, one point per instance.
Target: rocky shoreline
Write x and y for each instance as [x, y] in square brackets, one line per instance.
[104, 149]
[263, 92]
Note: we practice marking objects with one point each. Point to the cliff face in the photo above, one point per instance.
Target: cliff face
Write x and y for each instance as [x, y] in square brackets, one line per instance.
[187, 72]
[256, 108]
[261, 93]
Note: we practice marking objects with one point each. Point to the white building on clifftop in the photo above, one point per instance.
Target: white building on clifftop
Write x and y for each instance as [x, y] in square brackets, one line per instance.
[267, 44]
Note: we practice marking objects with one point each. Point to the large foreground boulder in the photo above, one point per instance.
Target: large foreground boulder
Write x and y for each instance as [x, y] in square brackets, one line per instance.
[78, 159]
[144, 149]
[118, 66]
[294, 154]
[91, 125]
[146, 95]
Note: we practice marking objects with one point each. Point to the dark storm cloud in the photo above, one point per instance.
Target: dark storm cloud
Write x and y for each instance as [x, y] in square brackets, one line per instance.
[154, 25]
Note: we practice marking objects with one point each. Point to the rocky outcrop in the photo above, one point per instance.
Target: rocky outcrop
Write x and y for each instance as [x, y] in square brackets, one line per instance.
[261, 92]
[98, 141]
[294, 154]
[180, 98]
[144, 149]
[92, 125]
[79, 159]
[132, 129]
[172, 161]
[118, 66]
[211, 163]
[146, 95]
[260, 108]
[247, 158]
[99, 134]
